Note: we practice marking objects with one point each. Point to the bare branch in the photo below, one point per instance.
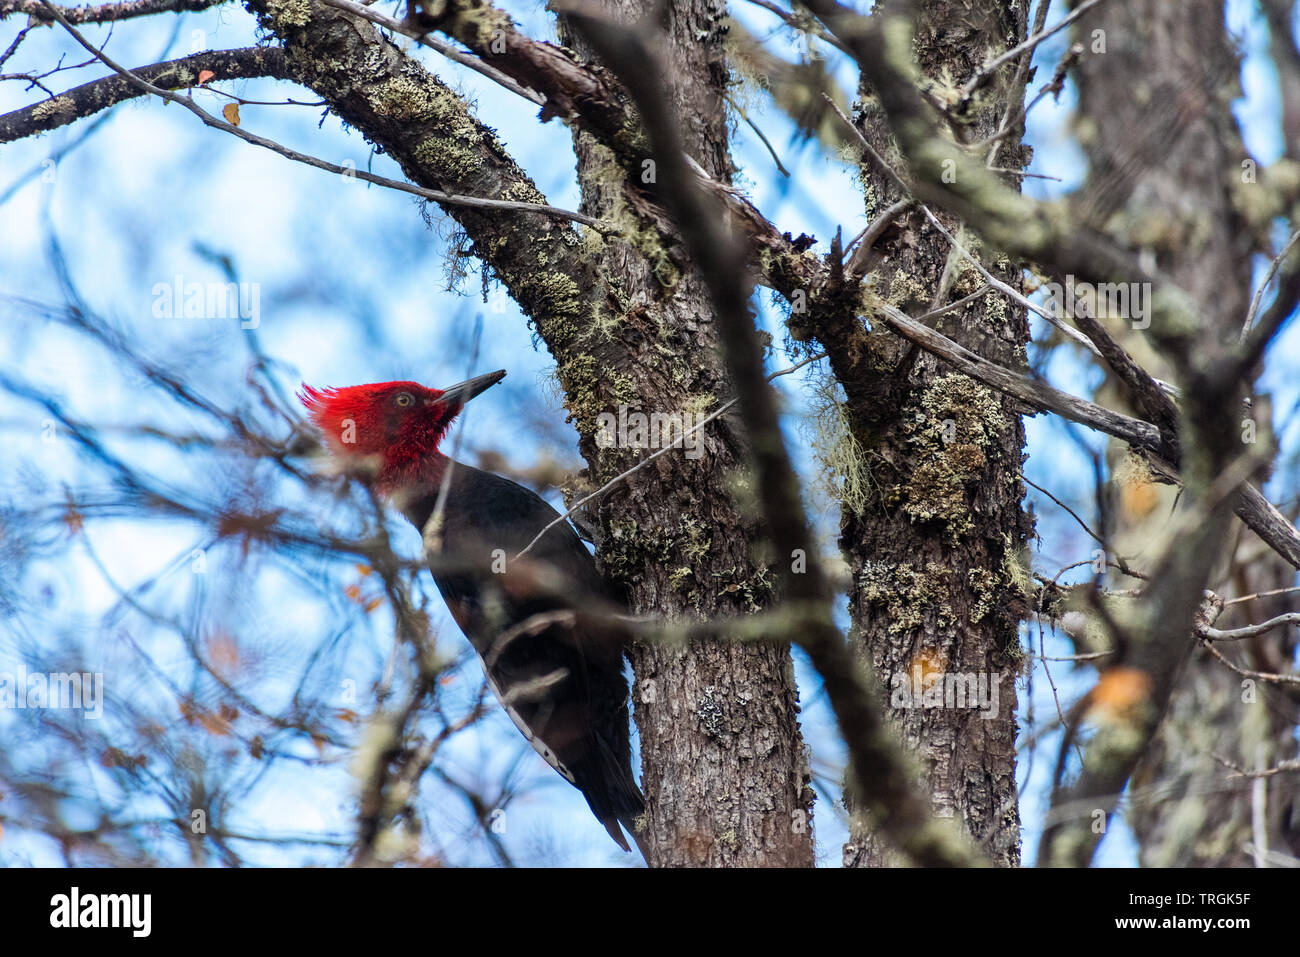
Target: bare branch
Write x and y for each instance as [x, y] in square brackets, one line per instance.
[982, 75]
[438, 196]
[105, 12]
[1249, 631]
[90, 98]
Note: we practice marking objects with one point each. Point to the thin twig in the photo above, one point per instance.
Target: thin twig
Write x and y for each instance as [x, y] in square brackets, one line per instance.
[450, 199]
[744, 115]
[1268, 278]
[983, 73]
[1250, 631]
[650, 458]
[440, 46]
[1263, 594]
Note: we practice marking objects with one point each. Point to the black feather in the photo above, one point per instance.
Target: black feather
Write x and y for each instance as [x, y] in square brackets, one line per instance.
[564, 681]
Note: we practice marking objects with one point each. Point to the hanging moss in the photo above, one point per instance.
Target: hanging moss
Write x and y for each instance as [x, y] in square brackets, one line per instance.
[843, 474]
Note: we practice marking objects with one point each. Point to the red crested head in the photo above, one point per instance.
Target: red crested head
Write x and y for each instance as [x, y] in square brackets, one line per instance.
[390, 430]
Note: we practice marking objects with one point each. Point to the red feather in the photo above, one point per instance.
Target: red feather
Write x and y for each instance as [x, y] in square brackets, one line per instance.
[365, 426]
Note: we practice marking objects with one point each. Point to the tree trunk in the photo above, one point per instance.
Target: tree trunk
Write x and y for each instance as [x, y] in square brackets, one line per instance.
[1170, 189]
[937, 549]
[724, 770]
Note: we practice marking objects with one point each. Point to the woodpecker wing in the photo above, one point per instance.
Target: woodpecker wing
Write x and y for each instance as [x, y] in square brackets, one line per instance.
[560, 679]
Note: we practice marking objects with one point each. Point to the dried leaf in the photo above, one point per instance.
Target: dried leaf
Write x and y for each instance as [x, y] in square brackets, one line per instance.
[204, 76]
[231, 112]
[223, 652]
[1119, 691]
[213, 724]
[72, 518]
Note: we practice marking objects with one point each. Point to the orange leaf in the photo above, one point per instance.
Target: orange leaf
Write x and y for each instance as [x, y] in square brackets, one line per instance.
[214, 724]
[1119, 690]
[223, 652]
[353, 592]
[373, 604]
[1138, 500]
[231, 112]
[364, 569]
[72, 518]
[204, 76]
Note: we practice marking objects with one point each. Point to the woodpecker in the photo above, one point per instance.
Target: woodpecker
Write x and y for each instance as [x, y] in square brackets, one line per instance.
[561, 681]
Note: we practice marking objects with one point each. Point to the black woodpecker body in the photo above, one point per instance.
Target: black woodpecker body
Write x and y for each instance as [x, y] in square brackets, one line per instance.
[559, 675]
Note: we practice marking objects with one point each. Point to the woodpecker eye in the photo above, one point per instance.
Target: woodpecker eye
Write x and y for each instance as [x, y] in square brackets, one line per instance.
[404, 399]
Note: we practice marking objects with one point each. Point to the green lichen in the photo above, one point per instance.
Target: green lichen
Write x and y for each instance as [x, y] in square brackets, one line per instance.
[53, 108]
[524, 191]
[604, 173]
[984, 588]
[1017, 571]
[557, 297]
[447, 157]
[679, 576]
[995, 311]
[289, 13]
[954, 430]
[911, 595]
[403, 98]
[906, 290]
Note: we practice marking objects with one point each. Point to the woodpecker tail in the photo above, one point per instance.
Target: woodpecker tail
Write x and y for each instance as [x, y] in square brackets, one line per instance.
[629, 823]
[606, 782]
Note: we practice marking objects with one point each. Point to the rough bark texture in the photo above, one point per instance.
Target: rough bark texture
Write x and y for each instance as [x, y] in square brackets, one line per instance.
[1165, 158]
[724, 772]
[937, 549]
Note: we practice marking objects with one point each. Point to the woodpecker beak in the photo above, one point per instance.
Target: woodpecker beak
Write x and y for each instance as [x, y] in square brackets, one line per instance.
[460, 393]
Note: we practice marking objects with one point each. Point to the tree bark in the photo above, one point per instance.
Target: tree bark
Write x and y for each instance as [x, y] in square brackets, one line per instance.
[724, 770]
[937, 549]
[1164, 152]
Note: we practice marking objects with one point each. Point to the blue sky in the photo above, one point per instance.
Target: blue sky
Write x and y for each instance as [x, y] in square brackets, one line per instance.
[353, 289]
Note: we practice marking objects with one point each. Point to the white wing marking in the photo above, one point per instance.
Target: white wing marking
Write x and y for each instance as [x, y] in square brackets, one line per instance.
[538, 744]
